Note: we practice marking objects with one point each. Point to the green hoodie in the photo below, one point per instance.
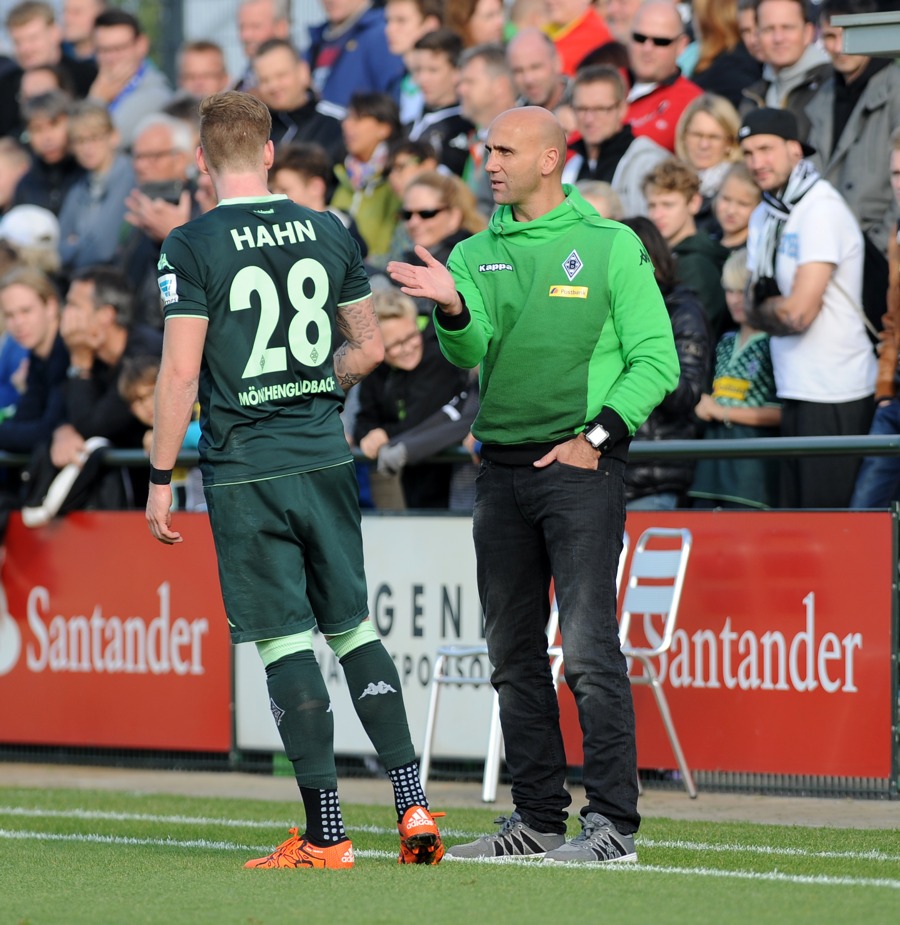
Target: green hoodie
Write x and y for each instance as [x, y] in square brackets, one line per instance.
[567, 323]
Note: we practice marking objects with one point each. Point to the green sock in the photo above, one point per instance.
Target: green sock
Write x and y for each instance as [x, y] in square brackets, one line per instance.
[301, 706]
[374, 687]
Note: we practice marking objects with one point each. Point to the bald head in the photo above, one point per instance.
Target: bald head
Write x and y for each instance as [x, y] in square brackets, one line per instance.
[535, 127]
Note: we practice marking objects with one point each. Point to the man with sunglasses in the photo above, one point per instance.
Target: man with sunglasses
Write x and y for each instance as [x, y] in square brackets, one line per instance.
[659, 93]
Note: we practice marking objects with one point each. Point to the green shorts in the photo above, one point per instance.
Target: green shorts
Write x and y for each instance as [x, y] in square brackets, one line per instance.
[290, 553]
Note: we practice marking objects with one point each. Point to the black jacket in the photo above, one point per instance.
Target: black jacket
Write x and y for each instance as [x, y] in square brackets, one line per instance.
[674, 418]
[41, 408]
[399, 400]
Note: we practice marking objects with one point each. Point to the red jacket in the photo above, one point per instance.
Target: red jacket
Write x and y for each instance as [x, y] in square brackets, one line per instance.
[657, 113]
[575, 39]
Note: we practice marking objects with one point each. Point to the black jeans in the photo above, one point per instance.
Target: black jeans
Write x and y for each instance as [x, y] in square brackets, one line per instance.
[566, 522]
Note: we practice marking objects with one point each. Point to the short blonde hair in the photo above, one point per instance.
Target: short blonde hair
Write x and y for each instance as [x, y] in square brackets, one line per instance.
[391, 303]
[735, 272]
[599, 190]
[234, 129]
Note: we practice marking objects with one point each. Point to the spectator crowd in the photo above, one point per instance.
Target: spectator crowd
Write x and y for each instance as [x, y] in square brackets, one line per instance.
[757, 162]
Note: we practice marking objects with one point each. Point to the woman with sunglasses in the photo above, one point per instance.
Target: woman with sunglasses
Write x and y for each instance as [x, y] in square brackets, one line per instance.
[439, 210]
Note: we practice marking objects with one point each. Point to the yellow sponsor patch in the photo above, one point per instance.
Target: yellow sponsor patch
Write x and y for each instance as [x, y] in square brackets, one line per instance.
[568, 292]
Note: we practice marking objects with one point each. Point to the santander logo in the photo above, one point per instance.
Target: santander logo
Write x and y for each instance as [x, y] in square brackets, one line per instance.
[93, 642]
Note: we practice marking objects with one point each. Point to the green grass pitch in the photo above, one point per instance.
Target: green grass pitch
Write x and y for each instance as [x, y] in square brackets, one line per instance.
[73, 857]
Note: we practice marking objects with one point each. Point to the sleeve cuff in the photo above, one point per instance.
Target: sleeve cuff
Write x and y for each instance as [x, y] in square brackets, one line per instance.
[618, 429]
[453, 322]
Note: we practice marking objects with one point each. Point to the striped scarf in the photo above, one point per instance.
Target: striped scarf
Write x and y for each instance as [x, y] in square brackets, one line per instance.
[801, 180]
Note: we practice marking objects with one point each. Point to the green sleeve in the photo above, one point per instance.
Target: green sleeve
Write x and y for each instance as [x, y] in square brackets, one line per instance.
[641, 322]
[465, 348]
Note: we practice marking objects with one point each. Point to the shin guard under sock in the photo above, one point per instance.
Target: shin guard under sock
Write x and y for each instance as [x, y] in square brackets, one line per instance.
[301, 706]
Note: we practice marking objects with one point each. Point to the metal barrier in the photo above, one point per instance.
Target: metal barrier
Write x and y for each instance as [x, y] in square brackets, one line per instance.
[857, 445]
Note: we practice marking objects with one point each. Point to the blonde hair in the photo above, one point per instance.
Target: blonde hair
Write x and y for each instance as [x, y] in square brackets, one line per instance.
[234, 129]
[739, 171]
[454, 194]
[599, 190]
[717, 108]
[33, 278]
[90, 112]
[392, 303]
[735, 272]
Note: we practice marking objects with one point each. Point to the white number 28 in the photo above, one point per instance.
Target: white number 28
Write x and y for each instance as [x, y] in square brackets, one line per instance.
[308, 310]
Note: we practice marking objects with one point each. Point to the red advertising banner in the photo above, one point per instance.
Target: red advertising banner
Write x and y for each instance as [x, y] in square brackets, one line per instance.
[782, 660]
[112, 639]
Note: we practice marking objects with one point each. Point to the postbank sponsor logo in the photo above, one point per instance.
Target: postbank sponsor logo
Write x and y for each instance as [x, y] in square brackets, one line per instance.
[568, 292]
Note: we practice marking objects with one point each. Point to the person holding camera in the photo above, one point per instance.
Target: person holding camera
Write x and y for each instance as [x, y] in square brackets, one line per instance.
[162, 157]
[805, 254]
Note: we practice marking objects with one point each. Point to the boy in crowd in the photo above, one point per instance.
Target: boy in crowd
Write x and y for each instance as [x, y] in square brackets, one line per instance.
[406, 21]
[434, 63]
[305, 174]
[672, 190]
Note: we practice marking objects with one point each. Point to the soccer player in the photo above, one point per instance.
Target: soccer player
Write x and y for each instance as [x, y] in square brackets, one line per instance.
[269, 317]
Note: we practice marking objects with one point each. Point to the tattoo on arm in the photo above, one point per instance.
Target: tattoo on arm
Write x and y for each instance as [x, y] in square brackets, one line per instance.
[359, 325]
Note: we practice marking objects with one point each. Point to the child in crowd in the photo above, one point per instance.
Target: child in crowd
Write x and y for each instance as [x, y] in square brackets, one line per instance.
[602, 197]
[738, 196]
[672, 191]
[137, 386]
[434, 64]
[406, 21]
[54, 170]
[743, 404]
[370, 127]
[303, 172]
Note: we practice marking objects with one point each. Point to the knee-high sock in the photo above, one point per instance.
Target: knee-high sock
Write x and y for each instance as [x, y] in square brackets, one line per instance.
[302, 709]
[375, 690]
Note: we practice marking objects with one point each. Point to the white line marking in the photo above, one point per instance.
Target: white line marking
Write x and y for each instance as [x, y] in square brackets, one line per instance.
[873, 855]
[278, 824]
[203, 843]
[772, 876]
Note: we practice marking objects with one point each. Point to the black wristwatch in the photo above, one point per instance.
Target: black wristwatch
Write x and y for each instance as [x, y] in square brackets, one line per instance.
[597, 435]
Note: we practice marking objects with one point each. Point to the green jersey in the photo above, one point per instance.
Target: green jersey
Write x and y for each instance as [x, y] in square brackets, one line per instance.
[269, 276]
[567, 320]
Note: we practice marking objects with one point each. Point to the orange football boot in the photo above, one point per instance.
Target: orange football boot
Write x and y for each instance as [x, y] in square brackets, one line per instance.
[298, 852]
[420, 841]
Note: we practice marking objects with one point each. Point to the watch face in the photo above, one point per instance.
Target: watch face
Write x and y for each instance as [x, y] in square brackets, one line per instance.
[597, 436]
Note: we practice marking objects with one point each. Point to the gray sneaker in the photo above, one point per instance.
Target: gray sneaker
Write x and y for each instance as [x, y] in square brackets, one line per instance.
[599, 843]
[514, 840]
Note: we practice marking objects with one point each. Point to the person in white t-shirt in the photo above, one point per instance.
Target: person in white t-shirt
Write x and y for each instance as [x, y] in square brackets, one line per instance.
[805, 253]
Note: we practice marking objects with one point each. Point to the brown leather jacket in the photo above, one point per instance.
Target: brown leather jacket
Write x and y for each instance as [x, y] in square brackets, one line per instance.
[885, 385]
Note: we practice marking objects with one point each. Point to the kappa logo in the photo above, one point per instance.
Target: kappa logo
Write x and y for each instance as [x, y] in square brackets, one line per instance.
[376, 688]
[494, 267]
[572, 265]
[263, 211]
[277, 712]
[164, 263]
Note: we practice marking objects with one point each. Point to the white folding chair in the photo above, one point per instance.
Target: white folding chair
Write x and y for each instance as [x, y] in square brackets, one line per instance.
[653, 591]
[448, 653]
